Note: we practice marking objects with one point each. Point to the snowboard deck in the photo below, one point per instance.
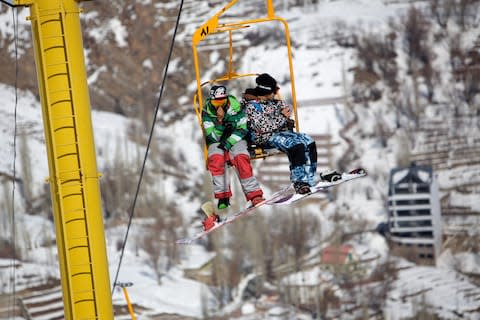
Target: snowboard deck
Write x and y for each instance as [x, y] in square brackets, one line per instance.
[285, 196]
[230, 218]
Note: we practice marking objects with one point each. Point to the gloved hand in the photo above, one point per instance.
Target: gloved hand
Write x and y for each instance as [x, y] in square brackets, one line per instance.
[227, 131]
[290, 124]
[224, 146]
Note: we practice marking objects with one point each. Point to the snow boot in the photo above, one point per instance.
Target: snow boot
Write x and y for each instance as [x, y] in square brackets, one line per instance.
[223, 203]
[210, 221]
[301, 187]
[257, 200]
[330, 176]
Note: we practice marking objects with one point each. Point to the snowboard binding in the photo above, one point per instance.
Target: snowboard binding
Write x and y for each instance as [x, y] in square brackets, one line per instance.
[330, 176]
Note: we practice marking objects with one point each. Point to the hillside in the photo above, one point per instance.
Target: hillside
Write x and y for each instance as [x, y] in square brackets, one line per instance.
[381, 83]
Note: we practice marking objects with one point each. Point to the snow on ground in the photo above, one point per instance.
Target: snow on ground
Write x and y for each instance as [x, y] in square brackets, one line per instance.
[318, 72]
[27, 275]
[23, 29]
[314, 276]
[110, 134]
[449, 294]
[29, 117]
[362, 13]
[175, 294]
[111, 139]
[195, 256]
[466, 262]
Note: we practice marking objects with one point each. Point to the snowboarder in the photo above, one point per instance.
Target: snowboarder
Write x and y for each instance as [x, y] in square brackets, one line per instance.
[225, 125]
[270, 126]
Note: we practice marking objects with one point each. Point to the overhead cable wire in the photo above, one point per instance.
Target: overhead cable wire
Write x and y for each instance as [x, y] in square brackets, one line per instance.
[157, 107]
[14, 169]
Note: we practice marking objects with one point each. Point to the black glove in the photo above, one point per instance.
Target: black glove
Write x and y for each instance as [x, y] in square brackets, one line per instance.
[222, 146]
[290, 124]
[227, 131]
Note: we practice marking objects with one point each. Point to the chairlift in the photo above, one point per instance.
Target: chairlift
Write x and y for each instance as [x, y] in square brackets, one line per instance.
[212, 26]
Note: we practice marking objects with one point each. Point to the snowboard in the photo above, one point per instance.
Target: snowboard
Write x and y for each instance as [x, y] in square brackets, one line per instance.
[230, 218]
[285, 196]
[292, 197]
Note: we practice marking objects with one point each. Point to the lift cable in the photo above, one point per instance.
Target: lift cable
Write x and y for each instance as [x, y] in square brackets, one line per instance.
[13, 228]
[157, 107]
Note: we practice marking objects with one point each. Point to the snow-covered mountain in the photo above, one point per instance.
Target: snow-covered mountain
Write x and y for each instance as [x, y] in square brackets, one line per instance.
[345, 53]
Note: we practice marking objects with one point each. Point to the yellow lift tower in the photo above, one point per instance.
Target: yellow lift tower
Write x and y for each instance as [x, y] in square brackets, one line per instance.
[74, 184]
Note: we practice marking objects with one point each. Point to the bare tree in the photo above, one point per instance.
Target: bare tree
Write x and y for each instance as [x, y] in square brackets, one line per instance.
[6, 208]
[26, 171]
[221, 275]
[465, 64]
[416, 27]
[384, 275]
[376, 60]
[150, 243]
[115, 184]
[441, 10]
[466, 13]
[265, 251]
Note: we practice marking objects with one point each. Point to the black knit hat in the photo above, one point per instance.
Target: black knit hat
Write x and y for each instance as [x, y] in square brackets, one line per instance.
[251, 91]
[266, 84]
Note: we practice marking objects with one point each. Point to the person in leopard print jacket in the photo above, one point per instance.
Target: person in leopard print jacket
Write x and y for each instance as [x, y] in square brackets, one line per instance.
[270, 126]
[267, 117]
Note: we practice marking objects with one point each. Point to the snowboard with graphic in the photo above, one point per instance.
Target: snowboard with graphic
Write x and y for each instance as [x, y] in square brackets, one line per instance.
[292, 197]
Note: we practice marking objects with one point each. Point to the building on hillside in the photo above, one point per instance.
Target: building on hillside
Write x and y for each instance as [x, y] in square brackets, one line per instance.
[336, 257]
[414, 217]
[344, 260]
[319, 283]
[307, 289]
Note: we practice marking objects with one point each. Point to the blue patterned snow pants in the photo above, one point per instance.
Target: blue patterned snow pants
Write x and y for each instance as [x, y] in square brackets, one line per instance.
[302, 154]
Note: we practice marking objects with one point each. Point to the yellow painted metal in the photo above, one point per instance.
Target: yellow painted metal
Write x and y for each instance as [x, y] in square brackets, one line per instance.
[213, 26]
[73, 178]
[129, 304]
[270, 9]
[18, 3]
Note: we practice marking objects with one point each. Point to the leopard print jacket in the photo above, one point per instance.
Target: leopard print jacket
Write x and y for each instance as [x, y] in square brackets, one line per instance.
[264, 119]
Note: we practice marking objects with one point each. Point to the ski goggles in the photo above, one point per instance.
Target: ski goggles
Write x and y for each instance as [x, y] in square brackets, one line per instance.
[218, 102]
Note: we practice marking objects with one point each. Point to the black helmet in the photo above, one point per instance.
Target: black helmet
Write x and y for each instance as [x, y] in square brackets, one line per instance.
[218, 92]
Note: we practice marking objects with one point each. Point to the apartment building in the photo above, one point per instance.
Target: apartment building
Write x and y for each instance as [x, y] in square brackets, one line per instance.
[414, 217]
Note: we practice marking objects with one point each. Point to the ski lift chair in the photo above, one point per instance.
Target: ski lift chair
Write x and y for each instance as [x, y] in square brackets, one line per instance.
[213, 26]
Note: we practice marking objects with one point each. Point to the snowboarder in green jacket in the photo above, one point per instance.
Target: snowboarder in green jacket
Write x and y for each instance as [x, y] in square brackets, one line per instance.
[225, 125]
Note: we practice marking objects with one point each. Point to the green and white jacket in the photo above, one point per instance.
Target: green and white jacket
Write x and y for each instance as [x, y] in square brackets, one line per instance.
[234, 115]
